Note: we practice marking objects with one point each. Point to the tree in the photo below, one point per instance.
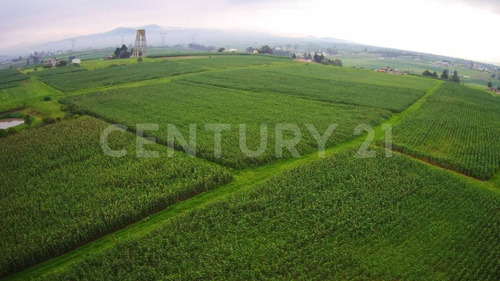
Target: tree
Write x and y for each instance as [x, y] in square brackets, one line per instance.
[27, 119]
[62, 63]
[121, 53]
[265, 50]
[444, 75]
[493, 75]
[250, 50]
[335, 62]
[294, 56]
[427, 73]
[48, 120]
[221, 49]
[434, 74]
[490, 84]
[315, 57]
[455, 78]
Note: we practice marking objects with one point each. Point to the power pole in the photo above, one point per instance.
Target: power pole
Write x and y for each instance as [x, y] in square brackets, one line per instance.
[193, 36]
[122, 39]
[73, 44]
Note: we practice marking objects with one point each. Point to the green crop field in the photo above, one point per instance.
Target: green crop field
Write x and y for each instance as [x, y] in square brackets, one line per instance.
[25, 93]
[320, 222]
[78, 80]
[322, 89]
[232, 61]
[369, 61]
[10, 78]
[458, 128]
[428, 210]
[179, 103]
[72, 78]
[357, 76]
[44, 72]
[58, 190]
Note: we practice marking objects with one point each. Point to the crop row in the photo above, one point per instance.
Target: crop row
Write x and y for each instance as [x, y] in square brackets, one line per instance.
[340, 218]
[59, 190]
[457, 128]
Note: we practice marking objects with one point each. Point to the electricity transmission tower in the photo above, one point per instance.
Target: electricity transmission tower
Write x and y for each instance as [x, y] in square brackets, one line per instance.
[163, 34]
[193, 36]
[73, 44]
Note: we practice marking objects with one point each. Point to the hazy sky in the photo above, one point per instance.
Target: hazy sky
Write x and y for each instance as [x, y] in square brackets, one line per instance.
[460, 28]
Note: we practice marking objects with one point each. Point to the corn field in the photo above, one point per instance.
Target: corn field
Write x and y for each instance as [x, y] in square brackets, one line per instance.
[339, 218]
[58, 190]
[457, 128]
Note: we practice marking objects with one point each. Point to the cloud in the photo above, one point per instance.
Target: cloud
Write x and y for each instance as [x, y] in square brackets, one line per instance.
[388, 23]
[488, 5]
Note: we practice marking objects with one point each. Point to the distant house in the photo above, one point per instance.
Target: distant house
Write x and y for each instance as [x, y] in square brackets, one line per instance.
[76, 61]
[256, 52]
[390, 71]
[51, 63]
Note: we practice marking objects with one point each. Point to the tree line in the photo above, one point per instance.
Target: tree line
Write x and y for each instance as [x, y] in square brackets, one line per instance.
[320, 58]
[445, 75]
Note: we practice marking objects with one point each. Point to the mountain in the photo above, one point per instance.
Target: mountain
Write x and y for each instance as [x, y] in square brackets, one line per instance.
[239, 39]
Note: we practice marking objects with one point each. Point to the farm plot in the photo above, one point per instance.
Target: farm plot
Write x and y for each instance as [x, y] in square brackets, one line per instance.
[457, 128]
[71, 78]
[10, 78]
[24, 94]
[386, 97]
[186, 104]
[339, 218]
[232, 61]
[56, 71]
[68, 81]
[358, 76]
[59, 190]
